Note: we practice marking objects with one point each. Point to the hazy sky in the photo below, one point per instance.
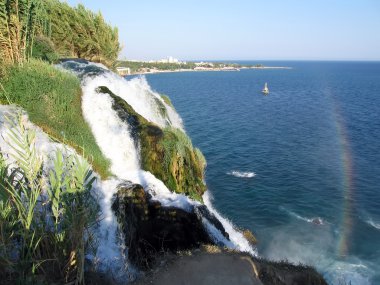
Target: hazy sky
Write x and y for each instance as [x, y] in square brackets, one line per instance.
[245, 29]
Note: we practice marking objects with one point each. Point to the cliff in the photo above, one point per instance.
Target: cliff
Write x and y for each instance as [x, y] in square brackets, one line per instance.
[145, 207]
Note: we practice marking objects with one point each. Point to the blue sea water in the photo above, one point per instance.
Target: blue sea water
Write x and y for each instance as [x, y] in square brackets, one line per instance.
[310, 149]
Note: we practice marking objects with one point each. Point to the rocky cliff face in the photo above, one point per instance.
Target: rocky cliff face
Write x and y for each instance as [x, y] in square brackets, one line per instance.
[166, 152]
[150, 228]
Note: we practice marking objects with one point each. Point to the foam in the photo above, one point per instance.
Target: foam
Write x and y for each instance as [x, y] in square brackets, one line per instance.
[237, 239]
[241, 174]
[373, 224]
[314, 220]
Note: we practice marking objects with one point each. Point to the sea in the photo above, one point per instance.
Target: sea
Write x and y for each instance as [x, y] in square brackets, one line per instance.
[299, 167]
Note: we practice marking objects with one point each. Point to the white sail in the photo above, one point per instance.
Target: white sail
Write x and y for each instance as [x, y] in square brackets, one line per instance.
[265, 90]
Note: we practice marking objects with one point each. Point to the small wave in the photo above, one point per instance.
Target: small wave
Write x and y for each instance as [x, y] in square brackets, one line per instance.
[314, 220]
[373, 224]
[241, 174]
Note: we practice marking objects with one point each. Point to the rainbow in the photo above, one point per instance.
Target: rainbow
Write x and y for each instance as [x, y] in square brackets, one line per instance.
[346, 184]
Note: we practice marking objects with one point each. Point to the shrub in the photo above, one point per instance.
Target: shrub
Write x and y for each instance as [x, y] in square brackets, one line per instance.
[44, 236]
[43, 48]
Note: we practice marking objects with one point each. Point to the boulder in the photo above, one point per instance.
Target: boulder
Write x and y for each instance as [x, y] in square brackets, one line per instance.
[150, 228]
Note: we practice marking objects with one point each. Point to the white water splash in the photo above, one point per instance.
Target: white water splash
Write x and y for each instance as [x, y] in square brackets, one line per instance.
[316, 248]
[314, 220]
[372, 223]
[44, 146]
[110, 257]
[241, 174]
[136, 92]
[237, 239]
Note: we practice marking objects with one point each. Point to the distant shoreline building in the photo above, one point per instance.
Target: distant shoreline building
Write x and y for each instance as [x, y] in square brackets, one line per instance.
[123, 70]
[169, 59]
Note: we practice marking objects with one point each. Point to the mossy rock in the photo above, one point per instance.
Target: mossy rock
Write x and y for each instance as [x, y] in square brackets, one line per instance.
[250, 237]
[167, 100]
[167, 153]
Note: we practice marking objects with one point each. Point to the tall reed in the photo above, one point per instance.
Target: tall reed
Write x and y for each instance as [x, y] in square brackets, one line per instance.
[46, 221]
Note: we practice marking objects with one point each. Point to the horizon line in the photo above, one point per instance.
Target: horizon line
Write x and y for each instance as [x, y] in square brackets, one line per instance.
[229, 60]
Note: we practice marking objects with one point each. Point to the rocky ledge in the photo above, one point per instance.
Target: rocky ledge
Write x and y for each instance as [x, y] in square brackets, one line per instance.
[218, 267]
[172, 246]
[150, 228]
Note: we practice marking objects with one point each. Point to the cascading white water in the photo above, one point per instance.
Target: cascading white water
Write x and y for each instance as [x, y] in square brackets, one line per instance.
[114, 138]
[44, 146]
[237, 240]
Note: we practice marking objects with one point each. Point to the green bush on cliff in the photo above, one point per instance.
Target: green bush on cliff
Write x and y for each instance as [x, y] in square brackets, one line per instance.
[167, 100]
[44, 49]
[174, 160]
[52, 99]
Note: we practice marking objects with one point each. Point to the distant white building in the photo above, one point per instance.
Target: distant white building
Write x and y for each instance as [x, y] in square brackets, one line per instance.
[169, 59]
[123, 70]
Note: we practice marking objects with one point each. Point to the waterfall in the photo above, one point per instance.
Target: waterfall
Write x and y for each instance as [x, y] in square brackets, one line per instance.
[114, 138]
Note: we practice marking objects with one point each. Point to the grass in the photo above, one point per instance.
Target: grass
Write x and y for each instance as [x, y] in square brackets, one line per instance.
[52, 99]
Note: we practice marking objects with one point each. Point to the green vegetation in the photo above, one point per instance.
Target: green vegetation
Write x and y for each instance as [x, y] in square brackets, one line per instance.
[44, 49]
[136, 66]
[167, 153]
[48, 30]
[44, 238]
[172, 158]
[56, 30]
[141, 66]
[79, 32]
[52, 99]
[167, 100]
[18, 23]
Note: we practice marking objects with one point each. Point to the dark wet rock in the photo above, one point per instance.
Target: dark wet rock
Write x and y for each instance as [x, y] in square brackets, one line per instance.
[82, 67]
[285, 273]
[79, 60]
[203, 212]
[150, 228]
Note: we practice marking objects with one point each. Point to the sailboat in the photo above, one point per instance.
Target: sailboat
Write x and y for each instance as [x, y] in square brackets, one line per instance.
[265, 90]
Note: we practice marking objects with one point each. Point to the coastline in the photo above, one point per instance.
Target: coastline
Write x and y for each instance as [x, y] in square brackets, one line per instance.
[226, 69]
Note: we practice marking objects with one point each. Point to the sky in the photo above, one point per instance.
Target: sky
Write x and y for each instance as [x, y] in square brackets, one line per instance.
[244, 29]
